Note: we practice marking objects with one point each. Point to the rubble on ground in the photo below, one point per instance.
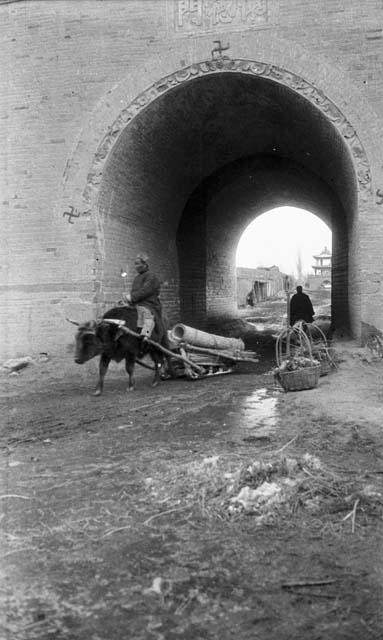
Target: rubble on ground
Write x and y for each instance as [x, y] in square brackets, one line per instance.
[13, 366]
[16, 364]
[268, 490]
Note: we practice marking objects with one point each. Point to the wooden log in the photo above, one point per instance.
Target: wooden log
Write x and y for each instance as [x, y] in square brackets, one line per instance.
[188, 335]
[222, 354]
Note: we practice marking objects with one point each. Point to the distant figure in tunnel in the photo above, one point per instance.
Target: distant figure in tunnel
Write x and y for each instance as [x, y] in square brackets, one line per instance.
[144, 294]
[301, 307]
[250, 298]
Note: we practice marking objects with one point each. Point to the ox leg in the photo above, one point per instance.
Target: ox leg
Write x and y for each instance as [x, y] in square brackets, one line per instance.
[129, 366]
[170, 367]
[157, 359]
[103, 368]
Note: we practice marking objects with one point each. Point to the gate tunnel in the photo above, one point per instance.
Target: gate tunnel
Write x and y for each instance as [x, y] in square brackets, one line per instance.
[195, 166]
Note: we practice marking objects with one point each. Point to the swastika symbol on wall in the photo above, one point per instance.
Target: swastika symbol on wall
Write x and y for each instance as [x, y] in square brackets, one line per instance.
[74, 213]
[71, 214]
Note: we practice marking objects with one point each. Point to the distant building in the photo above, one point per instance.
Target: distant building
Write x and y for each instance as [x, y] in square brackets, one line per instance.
[255, 285]
[321, 279]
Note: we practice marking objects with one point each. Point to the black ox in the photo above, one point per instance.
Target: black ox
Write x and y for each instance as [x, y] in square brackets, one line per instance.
[110, 342]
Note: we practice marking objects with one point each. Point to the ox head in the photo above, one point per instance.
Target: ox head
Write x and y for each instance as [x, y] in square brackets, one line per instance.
[88, 344]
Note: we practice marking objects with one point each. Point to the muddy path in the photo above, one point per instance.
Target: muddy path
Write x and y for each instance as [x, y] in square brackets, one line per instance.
[118, 518]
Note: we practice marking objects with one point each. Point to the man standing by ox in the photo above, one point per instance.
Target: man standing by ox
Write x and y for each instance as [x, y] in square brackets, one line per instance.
[301, 307]
[145, 295]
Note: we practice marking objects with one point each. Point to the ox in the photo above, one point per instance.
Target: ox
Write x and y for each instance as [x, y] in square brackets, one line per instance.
[110, 342]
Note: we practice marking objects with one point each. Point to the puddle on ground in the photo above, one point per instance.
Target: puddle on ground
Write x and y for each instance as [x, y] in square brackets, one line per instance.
[257, 413]
[244, 417]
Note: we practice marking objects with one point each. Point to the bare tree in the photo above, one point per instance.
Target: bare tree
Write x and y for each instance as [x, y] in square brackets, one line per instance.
[299, 266]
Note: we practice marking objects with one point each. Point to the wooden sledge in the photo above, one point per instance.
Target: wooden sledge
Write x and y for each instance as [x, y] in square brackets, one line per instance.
[214, 362]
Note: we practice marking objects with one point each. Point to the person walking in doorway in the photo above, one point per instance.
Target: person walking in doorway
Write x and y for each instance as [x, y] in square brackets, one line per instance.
[301, 307]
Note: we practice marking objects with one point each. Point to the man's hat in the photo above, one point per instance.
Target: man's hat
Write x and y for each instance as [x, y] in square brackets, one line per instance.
[143, 257]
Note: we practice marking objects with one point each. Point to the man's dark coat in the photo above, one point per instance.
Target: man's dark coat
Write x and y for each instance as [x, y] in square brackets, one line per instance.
[301, 308]
[145, 291]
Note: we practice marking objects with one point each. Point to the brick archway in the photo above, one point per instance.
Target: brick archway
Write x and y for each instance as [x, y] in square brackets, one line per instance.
[117, 234]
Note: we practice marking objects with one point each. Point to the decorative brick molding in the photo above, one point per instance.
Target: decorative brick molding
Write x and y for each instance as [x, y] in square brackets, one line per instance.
[248, 67]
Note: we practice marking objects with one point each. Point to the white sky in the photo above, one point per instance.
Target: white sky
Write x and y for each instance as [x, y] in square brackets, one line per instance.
[277, 237]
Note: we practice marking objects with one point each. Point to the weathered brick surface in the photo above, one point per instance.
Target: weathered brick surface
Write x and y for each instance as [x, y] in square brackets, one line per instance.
[70, 68]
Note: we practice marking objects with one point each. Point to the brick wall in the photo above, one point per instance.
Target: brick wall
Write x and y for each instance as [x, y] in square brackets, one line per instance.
[69, 69]
[274, 283]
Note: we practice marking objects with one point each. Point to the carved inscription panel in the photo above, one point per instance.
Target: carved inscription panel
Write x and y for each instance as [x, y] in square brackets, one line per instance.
[205, 16]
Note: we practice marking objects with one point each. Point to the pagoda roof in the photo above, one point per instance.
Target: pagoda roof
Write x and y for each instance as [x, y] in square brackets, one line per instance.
[323, 253]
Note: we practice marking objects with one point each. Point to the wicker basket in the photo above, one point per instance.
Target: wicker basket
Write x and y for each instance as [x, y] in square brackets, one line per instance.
[293, 341]
[299, 379]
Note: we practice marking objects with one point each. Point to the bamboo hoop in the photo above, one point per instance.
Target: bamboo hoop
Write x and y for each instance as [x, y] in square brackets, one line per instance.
[288, 333]
[329, 361]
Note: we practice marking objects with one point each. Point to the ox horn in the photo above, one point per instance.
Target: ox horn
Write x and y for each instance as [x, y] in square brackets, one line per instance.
[119, 323]
[73, 321]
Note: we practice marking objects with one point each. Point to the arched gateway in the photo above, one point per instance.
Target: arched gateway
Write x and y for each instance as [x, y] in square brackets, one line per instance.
[167, 126]
[194, 158]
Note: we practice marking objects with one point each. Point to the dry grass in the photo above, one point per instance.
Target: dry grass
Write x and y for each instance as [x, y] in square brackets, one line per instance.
[269, 489]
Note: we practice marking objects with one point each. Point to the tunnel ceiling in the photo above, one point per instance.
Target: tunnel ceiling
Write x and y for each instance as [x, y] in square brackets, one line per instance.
[199, 127]
[254, 185]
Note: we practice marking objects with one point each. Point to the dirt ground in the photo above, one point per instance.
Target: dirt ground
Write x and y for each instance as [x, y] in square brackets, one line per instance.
[120, 518]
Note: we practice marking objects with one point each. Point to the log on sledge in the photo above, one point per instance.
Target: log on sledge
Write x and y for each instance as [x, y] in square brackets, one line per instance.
[181, 333]
[242, 356]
